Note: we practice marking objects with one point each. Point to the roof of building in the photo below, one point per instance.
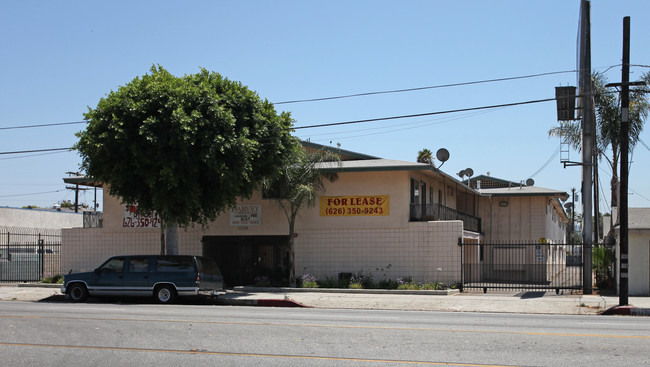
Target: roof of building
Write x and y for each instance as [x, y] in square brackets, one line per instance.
[345, 154]
[637, 218]
[380, 164]
[489, 182]
[524, 191]
[82, 180]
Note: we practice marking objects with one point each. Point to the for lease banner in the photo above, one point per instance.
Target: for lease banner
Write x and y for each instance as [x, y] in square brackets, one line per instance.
[364, 205]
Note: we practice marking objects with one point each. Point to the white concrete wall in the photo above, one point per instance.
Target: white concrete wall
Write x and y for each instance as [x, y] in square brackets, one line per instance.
[639, 261]
[425, 251]
[39, 218]
[524, 218]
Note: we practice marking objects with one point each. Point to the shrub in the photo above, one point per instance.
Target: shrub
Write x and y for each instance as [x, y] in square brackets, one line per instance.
[409, 284]
[361, 281]
[308, 281]
[53, 279]
[388, 284]
[262, 281]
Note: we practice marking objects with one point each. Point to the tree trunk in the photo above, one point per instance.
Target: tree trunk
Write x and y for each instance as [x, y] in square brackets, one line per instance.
[614, 182]
[162, 240]
[171, 234]
[292, 252]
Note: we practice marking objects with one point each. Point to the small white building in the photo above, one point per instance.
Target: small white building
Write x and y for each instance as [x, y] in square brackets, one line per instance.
[638, 250]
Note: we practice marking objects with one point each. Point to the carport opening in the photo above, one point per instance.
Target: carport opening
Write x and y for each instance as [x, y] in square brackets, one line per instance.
[247, 260]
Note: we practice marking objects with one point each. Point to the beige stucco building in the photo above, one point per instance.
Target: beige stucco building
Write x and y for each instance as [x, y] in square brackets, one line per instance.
[381, 217]
[638, 251]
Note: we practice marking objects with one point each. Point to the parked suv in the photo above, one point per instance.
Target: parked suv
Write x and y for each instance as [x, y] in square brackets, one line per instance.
[160, 276]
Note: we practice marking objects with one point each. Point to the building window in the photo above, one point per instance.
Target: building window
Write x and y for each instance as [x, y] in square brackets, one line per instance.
[423, 186]
[412, 191]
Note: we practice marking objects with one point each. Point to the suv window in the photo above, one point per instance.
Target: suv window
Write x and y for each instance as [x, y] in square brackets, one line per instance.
[139, 265]
[174, 265]
[207, 265]
[115, 265]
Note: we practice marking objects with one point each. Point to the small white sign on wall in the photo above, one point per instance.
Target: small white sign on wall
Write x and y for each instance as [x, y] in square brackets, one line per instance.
[246, 215]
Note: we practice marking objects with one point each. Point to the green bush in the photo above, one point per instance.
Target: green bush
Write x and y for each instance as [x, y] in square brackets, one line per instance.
[409, 284]
[308, 281]
[53, 279]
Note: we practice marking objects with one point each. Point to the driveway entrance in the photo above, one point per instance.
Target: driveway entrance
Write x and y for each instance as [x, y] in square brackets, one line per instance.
[242, 259]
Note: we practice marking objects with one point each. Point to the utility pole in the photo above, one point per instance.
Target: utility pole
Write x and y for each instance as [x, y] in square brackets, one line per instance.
[625, 141]
[76, 189]
[588, 142]
[573, 213]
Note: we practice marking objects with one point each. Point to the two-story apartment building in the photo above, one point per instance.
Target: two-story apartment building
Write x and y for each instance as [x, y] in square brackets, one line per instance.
[382, 217]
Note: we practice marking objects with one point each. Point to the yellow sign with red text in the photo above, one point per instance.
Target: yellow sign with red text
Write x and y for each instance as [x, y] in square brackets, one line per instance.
[345, 206]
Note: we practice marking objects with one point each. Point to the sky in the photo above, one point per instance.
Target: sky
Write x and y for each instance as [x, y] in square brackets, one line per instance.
[60, 58]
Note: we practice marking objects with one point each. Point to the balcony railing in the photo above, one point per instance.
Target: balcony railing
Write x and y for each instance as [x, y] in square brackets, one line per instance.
[437, 212]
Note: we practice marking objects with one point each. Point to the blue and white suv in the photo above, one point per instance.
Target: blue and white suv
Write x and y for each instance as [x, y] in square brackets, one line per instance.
[164, 277]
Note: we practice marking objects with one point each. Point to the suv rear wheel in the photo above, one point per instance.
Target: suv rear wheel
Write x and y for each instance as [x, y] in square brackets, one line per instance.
[165, 294]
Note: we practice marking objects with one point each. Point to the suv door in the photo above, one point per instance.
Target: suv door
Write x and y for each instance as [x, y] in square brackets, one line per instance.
[137, 280]
[109, 277]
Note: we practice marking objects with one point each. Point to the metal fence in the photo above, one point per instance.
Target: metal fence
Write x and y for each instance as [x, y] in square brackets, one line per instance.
[29, 254]
[521, 266]
[435, 212]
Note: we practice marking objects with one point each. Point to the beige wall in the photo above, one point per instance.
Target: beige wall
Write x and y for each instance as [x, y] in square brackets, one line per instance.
[39, 218]
[426, 251]
[639, 262]
[525, 218]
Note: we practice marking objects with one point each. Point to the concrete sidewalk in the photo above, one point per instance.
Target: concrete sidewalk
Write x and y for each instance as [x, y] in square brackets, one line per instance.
[504, 302]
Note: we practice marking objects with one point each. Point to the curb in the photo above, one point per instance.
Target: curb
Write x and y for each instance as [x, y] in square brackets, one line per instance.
[39, 285]
[627, 311]
[250, 289]
[261, 302]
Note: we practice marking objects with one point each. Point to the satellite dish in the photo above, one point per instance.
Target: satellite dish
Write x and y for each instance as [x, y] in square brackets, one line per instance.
[442, 154]
[461, 174]
[530, 182]
[469, 172]
[568, 205]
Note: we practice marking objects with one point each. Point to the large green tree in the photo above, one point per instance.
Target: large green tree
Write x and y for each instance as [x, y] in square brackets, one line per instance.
[298, 184]
[184, 147]
[608, 124]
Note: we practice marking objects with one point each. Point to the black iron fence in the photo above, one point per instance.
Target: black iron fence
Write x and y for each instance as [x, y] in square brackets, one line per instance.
[435, 212]
[521, 266]
[29, 254]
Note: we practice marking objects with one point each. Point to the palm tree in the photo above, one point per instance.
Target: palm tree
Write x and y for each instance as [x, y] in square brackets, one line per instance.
[608, 121]
[298, 184]
[425, 156]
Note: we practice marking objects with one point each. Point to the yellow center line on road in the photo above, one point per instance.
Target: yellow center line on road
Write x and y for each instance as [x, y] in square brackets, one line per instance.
[258, 355]
[332, 326]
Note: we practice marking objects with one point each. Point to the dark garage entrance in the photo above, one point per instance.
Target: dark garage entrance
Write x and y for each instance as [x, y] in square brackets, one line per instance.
[243, 258]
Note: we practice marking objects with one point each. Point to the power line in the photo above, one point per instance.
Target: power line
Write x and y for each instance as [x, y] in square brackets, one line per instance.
[413, 125]
[422, 114]
[352, 122]
[555, 153]
[31, 155]
[36, 151]
[33, 193]
[424, 88]
[42, 125]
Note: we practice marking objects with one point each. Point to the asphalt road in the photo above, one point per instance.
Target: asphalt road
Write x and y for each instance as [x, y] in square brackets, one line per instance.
[124, 334]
